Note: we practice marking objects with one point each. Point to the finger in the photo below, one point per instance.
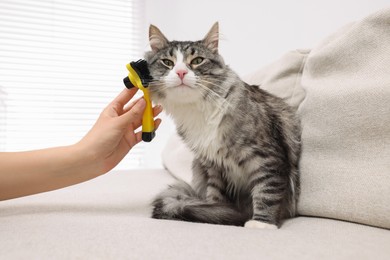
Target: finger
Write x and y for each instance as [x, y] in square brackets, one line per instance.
[124, 96]
[133, 138]
[134, 115]
[156, 111]
[157, 123]
[137, 124]
[115, 108]
[130, 105]
[138, 138]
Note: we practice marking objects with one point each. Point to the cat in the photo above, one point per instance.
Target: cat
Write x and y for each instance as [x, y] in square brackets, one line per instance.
[246, 142]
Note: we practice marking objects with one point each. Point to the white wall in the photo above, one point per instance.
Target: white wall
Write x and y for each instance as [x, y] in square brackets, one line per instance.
[254, 33]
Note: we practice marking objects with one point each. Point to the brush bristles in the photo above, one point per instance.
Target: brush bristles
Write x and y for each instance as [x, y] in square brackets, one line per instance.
[141, 67]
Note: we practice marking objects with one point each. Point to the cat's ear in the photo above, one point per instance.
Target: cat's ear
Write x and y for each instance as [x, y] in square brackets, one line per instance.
[157, 40]
[212, 38]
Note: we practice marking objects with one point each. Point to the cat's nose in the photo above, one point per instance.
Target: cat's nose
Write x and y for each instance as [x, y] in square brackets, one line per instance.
[181, 73]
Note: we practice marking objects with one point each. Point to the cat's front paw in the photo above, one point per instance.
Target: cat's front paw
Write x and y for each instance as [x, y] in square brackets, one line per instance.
[259, 225]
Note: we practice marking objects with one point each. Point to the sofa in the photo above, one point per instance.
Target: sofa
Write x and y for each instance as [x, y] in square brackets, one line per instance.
[341, 91]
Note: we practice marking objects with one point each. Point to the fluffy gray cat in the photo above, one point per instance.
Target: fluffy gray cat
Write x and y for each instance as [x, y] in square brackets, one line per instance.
[246, 141]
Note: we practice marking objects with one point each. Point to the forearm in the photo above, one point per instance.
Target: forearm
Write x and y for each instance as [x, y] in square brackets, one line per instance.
[26, 173]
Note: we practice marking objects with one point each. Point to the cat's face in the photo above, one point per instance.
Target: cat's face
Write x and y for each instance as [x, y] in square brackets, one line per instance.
[184, 72]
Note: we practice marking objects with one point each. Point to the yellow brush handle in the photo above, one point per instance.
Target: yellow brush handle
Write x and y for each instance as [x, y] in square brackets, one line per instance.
[147, 119]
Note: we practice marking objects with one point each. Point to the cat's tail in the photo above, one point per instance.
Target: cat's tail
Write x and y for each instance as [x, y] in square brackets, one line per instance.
[180, 202]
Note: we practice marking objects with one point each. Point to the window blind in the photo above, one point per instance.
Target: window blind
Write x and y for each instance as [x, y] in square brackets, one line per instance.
[61, 63]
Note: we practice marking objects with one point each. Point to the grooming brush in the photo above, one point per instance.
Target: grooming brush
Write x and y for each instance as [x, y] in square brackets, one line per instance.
[139, 77]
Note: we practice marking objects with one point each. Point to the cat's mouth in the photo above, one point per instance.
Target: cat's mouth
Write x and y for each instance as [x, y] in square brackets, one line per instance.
[183, 86]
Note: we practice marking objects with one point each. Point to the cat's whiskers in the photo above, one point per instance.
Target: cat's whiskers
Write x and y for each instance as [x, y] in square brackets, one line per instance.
[220, 102]
[214, 94]
[217, 78]
[162, 85]
[215, 85]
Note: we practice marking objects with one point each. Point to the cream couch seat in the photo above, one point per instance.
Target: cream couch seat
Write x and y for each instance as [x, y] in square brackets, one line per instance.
[108, 218]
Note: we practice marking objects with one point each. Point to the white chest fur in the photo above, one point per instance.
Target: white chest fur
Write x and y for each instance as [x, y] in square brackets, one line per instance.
[200, 126]
[202, 133]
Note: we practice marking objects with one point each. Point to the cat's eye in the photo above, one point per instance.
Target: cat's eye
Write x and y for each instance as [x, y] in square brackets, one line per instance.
[168, 62]
[197, 61]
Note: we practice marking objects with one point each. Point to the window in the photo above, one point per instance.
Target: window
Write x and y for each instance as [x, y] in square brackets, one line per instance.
[61, 63]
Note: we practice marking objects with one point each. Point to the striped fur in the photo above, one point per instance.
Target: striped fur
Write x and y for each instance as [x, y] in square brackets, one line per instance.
[246, 141]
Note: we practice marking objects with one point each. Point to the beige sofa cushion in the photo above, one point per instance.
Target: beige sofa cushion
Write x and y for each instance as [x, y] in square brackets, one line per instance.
[345, 164]
[283, 77]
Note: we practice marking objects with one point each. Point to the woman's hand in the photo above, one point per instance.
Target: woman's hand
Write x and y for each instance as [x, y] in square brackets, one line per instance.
[114, 133]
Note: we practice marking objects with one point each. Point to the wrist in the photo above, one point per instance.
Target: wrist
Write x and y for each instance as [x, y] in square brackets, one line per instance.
[85, 158]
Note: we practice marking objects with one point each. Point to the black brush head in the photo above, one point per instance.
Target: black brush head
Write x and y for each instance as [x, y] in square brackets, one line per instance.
[141, 67]
[128, 83]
